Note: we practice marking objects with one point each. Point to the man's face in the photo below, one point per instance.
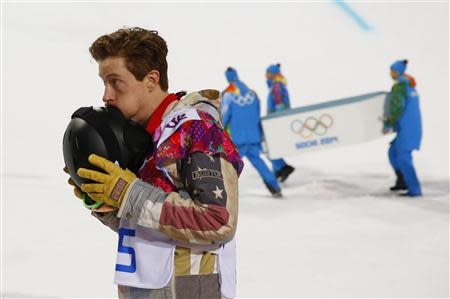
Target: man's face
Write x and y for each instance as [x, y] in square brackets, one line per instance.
[122, 90]
[394, 75]
[269, 76]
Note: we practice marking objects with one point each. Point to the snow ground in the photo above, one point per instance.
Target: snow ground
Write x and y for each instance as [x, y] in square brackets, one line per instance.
[337, 232]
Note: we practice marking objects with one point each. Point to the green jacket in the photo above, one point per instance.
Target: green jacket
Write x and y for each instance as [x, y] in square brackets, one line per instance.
[397, 99]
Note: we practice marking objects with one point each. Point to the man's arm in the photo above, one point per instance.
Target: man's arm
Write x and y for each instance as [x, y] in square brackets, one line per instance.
[275, 96]
[206, 213]
[205, 210]
[397, 103]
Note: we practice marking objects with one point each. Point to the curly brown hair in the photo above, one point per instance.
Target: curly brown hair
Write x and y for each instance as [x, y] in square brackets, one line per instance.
[143, 50]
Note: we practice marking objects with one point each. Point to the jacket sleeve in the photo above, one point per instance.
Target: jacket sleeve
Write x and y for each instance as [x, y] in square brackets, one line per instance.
[108, 218]
[270, 101]
[397, 99]
[276, 97]
[209, 212]
[203, 212]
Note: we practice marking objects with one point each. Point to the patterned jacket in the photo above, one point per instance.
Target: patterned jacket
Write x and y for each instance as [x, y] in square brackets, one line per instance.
[188, 195]
[278, 98]
[195, 170]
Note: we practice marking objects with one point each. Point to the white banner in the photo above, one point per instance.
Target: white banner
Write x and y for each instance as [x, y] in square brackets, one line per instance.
[341, 122]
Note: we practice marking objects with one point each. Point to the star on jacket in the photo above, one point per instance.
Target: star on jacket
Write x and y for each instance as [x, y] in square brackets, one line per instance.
[218, 192]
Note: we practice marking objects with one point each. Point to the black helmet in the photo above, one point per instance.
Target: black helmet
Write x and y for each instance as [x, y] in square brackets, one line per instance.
[106, 132]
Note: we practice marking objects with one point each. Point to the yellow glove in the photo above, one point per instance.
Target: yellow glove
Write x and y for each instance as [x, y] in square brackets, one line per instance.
[88, 203]
[109, 187]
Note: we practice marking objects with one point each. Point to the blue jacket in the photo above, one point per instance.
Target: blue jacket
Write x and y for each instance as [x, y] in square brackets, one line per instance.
[409, 124]
[278, 98]
[241, 113]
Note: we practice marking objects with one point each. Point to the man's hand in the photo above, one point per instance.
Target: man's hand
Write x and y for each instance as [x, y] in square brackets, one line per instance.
[109, 187]
[78, 193]
[387, 130]
[88, 203]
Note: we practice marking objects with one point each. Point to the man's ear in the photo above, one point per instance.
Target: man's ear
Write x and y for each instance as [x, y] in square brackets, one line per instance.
[151, 80]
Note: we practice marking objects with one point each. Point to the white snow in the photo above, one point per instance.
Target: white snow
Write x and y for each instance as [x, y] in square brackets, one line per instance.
[337, 232]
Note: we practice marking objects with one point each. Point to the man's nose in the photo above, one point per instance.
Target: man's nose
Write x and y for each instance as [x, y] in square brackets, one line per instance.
[108, 96]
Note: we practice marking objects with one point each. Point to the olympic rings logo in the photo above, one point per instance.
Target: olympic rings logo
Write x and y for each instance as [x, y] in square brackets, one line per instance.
[312, 126]
[248, 99]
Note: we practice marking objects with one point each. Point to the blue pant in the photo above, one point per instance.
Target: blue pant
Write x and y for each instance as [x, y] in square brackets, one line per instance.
[252, 152]
[277, 164]
[401, 160]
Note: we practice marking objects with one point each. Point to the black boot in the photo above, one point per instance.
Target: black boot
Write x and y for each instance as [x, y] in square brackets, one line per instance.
[400, 183]
[275, 193]
[284, 172]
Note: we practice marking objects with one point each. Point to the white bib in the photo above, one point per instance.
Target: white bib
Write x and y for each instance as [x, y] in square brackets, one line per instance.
[145, 257]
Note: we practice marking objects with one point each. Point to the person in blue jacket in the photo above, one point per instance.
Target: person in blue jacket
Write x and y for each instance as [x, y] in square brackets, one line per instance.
[405, 120]
[278, 100]
[241, 118]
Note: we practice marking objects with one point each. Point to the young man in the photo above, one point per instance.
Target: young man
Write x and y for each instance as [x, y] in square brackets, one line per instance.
[278, 100]
[177, 217]
[405, 120]
[241, 116]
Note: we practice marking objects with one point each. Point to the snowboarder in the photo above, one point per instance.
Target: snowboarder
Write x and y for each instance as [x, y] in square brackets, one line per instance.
[176, 217]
